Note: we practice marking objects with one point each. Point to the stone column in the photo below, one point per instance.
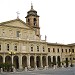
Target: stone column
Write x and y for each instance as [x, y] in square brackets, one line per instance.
[41, 61]
[56, 62]
[4, 58]
[20, 61]
[35, 60]
[47, 61]
[28, 61]
[12, 59]
[51, 60]
[61, 60]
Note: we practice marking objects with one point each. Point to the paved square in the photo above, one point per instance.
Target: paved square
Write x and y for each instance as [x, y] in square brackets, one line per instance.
[58, 71]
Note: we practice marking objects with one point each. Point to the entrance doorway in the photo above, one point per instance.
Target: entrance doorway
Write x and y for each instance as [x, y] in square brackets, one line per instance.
[16, 62]
[38, 63]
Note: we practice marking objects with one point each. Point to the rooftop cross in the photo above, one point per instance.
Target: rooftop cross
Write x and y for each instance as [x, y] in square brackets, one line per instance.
[17, 14]
[31, 5]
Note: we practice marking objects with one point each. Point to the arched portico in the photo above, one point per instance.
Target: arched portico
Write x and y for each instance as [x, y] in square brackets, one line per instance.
[32, 61]
[66, 61]
[1, 59]
[38, 62]
[44, 61]
[54, 60]
[49, 61]
[58, 61]
[8, 59]
[16, 62]
[24, 61]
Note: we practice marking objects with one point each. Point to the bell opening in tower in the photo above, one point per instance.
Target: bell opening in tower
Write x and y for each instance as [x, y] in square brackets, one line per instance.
[34, 21]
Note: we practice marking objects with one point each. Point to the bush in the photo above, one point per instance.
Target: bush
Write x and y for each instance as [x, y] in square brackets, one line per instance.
[6, 66]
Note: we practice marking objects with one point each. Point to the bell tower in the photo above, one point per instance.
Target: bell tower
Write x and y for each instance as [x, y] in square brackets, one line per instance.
[32, 19]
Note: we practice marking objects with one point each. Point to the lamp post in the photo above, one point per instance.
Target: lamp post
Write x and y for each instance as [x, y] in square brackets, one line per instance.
[71, 58]
[11, 53]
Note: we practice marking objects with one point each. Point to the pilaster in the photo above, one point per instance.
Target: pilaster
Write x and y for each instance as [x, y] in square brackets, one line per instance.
[20, 61]
[28, 61]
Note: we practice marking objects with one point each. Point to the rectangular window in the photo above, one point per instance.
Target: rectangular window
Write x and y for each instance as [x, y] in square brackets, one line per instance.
[31, 48]
[72, 50]
[38, 48]
[66, 50]
[69, 50]
[43, 49]
[53, 49]
[15, 48]
[58, 50]
[0, 47]
[62, 51]
[8, 47]
[18, 33]
[48, 49]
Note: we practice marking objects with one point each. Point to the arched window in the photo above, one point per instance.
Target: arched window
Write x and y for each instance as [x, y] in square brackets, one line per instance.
[34, 21]
[38, 48]
[28, 20]
[31, 48]
[43, 49]
[8, 47]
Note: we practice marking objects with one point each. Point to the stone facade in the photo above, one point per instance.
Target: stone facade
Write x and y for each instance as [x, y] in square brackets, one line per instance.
[21, 45]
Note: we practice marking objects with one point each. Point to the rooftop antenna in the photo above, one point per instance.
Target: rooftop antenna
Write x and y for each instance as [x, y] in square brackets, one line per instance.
[17, 14]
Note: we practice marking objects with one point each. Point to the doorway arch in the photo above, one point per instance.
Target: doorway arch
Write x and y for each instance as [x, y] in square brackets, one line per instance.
[44, 61]
[54, 60]
[24, 61]
[49, 61]
[1, 59]
[16, 62]
[58, 61]
[38, 62]
[66, 61]
[32, 61]
[8, 60]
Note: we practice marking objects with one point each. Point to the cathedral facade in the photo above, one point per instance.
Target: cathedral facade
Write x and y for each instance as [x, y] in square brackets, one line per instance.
[21, 45]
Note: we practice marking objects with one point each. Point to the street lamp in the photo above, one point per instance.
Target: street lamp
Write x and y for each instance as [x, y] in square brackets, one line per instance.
[11, 53]
[71, 58]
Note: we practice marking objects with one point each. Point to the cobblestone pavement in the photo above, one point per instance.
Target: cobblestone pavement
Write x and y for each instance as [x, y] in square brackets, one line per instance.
[58, 71]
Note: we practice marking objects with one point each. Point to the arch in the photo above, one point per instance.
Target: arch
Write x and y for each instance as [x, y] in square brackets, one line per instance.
[58, 61]
[38, 62]
[34, 21]
[24, 61]
[8, 60]
[32, 61]
[28, 21]
[54, 60]
[16, 62]
[44, 61]
[1, 59]
[49, 61]
[66, 61]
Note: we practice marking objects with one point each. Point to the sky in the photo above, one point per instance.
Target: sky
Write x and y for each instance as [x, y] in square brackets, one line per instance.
[57, 17]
